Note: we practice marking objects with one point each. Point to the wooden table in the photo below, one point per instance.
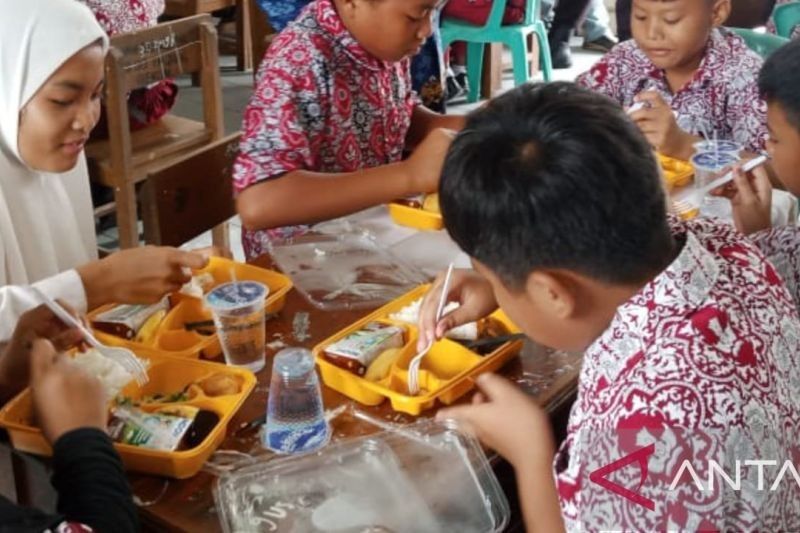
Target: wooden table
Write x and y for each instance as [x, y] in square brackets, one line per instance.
[188, 505]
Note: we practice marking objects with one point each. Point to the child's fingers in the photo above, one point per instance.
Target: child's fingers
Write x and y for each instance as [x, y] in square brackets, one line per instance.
[744, 188]
[478, 398]
[191, 260]
[651, 98]
[495, 387]
[467, 417]
[42, 358]
[761, 183]
[67, 339]
[725, 191]
[427, 312]
[453, 319]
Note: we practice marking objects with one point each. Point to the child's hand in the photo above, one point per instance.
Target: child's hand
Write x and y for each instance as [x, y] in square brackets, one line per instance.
[138, 275]
[468, 288]
[751, 200]
[38, 323]
[213, 251]
[508, 421]
[423, 168]
[64, 397]
[658, 124]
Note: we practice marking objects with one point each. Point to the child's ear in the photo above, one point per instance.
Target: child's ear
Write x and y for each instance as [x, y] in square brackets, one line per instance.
[720, 11]
[552, 292]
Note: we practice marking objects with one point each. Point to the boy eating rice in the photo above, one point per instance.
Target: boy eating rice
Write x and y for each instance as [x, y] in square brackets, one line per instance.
[686, 328]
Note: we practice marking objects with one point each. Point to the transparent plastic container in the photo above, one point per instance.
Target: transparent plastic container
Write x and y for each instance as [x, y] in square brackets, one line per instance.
[342, 266]
[400, 480]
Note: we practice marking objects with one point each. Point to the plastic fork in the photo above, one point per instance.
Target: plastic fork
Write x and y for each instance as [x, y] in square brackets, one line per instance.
[124, 357]
[694, 196]
[413, 367]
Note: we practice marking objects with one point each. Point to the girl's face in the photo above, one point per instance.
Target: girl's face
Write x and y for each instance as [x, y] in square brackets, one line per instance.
[389, 29]
[55, 123]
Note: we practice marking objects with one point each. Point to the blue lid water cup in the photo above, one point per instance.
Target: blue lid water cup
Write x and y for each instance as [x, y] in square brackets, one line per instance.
[296, 421]
[238, 311]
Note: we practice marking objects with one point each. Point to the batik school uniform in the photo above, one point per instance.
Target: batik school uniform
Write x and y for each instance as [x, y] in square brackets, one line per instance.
[722, 97]
[703, 363]
[322, 103]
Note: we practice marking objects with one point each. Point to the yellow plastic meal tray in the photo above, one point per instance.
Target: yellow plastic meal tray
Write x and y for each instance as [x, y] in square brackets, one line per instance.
[173, 338]
[167, 374]
[415, 217]
[446, 373]
[677, 173]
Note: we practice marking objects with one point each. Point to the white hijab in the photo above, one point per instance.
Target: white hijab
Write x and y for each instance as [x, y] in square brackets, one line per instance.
[46, 220]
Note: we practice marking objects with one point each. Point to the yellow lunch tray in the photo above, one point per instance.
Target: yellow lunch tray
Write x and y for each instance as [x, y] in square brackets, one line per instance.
[167, 374]
[415, 217]
[172, 337]
[677, 173]
[446, 373]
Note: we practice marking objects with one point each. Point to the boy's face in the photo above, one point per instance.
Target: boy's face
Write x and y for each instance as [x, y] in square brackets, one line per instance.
[389, 29]
[673, 33]
[783, 146]
[537, 311]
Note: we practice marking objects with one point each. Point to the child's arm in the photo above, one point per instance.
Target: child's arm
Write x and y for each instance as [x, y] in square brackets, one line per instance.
[508, 421]
[87, 472]
[301, 196]
[424, 121]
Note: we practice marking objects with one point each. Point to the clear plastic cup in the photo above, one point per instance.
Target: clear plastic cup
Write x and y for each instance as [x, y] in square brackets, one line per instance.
[720, 145]
[707, 167]
[238, 310]
[295, 414]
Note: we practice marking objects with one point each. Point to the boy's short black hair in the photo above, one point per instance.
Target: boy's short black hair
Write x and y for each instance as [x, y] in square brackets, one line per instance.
[779, 80]
[556, 176]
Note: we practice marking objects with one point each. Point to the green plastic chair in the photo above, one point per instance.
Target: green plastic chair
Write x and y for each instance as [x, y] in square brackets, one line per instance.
[761, 43]
[786, 17]
[515, 36]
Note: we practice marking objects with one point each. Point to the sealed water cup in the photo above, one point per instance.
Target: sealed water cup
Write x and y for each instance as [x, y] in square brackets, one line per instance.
[295, 413]
[238, 310]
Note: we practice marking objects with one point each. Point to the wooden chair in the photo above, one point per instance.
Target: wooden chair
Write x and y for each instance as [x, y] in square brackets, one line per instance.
[262, 34]
[135, 60]
[188, 8]
[191, 196]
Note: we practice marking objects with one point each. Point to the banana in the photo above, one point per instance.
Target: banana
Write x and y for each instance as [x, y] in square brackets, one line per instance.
[380, 367]
[148, 331]
[431, 203]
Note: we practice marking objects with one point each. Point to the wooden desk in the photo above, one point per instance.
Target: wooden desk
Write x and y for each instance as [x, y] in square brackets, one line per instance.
[188, 505]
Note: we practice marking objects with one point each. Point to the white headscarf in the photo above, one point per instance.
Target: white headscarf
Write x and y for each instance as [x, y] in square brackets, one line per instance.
[46, 220]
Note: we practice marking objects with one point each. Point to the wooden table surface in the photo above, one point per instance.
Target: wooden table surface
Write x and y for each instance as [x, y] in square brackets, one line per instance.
[188, 505]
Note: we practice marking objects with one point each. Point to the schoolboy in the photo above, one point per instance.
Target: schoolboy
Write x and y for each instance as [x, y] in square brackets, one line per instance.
[331, 116]
[686, 328]
[694, 77]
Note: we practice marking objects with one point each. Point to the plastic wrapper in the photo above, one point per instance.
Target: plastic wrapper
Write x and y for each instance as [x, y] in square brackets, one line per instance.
[398, 480]
[341, 266]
